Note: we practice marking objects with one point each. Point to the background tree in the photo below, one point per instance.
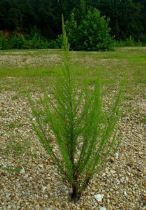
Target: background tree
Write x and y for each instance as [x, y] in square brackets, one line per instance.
[127, 17]
[91, 33]
[124, 17]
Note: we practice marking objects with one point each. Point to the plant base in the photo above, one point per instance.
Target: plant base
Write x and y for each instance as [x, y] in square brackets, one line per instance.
[75, 195]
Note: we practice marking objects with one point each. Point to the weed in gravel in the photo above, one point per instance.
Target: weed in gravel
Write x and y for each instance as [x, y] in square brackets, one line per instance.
[15, 97]
[17, 148]
[11, 169]
[13, 125]
[74, 129]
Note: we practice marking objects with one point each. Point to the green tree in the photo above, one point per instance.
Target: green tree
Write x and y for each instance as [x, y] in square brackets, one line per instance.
[91, 33]
[124, 17]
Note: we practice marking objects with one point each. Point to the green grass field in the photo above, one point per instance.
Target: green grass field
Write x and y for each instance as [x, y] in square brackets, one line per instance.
[19, 67]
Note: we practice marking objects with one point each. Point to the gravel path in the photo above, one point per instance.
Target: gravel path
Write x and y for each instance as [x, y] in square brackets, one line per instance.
[30, 181]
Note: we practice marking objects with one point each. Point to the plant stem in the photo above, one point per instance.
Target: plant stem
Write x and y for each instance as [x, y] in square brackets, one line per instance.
[75, 195]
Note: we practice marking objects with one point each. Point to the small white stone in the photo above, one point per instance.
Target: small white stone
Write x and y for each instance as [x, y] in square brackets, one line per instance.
[99, 197]
[47, 209]
[41, 166]
[117, 155]
[22, 171]
[102, 208]
[44, 188]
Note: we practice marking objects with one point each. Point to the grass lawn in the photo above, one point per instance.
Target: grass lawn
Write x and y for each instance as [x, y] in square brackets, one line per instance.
[32, 65]
[29, 180]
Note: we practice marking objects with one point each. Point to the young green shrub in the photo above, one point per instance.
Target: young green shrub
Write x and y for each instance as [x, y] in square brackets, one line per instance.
[74, 129]
[3, 42]
[92, 32]
[55, 43]
[129, 42]
[16, 41]
[35, 41]
[20, 41]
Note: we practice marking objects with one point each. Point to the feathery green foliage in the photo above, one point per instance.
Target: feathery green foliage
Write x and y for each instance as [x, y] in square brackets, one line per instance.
[74, 129]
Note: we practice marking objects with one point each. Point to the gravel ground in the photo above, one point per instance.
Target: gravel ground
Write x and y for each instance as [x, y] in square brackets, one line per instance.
[30, 181]
[28, 60]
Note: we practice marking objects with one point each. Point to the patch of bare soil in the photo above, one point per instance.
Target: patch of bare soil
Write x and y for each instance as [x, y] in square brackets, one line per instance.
[22, 60]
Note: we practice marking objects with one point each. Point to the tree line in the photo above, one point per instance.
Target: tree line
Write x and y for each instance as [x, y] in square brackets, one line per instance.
[127, 18]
